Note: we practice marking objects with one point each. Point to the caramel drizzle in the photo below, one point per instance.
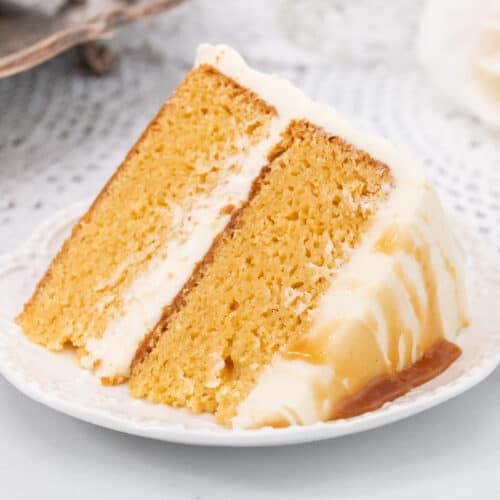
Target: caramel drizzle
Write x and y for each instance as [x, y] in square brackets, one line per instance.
[396, 240]
[453, 273]
[361, 361]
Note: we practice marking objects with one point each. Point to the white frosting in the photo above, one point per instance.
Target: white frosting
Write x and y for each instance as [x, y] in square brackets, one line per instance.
[193, 232]
[411, 204]
[277, 383]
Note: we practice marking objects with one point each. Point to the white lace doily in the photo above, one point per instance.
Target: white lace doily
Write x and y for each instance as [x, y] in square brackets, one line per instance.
[63, 133]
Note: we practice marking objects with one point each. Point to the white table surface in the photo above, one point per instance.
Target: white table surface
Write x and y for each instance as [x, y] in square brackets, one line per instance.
[62, 133]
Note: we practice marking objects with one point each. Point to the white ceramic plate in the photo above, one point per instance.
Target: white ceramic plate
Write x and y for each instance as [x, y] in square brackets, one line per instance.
[57, 381]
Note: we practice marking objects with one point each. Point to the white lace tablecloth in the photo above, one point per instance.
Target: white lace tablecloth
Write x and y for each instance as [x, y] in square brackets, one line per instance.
[63, 132]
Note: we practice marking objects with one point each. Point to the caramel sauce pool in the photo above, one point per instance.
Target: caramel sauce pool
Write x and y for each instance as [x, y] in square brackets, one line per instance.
[382, 390]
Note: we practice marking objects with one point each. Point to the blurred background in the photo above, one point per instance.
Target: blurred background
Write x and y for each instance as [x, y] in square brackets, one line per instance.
[64, 129]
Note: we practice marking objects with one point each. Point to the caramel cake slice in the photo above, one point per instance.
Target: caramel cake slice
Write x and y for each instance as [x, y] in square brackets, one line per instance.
[257, 258]
[337, 287]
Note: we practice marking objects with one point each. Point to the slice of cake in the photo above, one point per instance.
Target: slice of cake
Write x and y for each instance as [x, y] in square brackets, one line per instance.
[257, 258]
